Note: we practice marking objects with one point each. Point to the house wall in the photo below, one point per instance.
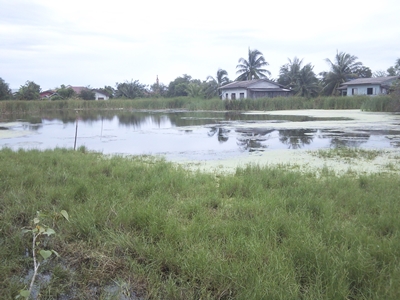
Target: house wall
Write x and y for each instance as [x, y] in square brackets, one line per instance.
[236, 92]
[100, 96]
[363, 90]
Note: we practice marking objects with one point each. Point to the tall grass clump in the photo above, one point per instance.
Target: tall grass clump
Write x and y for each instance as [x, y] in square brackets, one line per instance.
[143, 227]
[189, 103]
[382, 104]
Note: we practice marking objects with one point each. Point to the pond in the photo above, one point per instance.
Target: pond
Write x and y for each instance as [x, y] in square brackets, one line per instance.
[201, 135]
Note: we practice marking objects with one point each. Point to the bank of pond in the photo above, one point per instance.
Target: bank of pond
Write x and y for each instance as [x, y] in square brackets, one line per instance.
[143, 228]
[386, 103]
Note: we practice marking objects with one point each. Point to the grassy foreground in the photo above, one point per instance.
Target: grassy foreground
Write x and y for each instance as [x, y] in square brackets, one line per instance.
[144, 227]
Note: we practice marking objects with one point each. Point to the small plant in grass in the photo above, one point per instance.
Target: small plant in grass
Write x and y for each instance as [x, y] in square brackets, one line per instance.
[348, 153]
[38, 230]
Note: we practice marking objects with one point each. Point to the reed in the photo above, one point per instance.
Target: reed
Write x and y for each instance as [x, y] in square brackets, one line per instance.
[378, 103]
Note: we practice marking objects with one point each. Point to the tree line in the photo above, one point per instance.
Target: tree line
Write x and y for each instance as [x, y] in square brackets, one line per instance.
[295, 75]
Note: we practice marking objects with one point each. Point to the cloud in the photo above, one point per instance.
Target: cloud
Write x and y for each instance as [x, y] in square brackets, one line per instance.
[84, 44]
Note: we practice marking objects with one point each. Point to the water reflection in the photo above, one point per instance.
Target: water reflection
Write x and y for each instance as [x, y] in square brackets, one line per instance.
[222, 133]
[200, 134]
[296, 138]
[253, 139]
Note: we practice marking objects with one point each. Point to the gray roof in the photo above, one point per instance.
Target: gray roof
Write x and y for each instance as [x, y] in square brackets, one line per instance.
[374, 80]
[248, 83]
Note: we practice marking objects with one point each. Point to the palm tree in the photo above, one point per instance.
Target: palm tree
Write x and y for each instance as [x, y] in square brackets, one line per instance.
[252, 68]
[289, 73]
[307, 84]
[215, 84]
[341, 70]
[302, 80]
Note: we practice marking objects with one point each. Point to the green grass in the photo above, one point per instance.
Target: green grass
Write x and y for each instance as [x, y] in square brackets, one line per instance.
[347, 153]
[379, 103]
[141, 226]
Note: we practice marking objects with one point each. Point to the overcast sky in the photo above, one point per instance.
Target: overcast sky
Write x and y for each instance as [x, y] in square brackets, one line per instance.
[100, 43]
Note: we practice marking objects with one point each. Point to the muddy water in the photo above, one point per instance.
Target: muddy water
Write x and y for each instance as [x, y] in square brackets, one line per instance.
[202, 135]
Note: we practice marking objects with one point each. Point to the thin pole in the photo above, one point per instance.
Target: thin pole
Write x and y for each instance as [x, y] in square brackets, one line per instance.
[76, 130]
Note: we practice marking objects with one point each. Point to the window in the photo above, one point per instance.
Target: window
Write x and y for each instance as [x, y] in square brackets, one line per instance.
[241, 95]
[354, 91]
[370, 91]
[233, 96]
[226, 96]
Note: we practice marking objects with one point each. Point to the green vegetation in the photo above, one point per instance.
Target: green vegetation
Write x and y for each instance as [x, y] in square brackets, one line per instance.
[141, 226]
[348, 153]
[379, 103]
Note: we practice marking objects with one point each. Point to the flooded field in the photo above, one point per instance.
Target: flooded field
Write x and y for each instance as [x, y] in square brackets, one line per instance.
[206, 137]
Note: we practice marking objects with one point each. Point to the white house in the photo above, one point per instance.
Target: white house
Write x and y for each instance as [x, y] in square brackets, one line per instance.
[100, 95]
[367, 86]
[253, 89]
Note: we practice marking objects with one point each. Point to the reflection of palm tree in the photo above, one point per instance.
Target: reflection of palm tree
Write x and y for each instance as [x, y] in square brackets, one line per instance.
[341, 139]
[252, 140]
[252, 68]
[222, 133]
[296, 138]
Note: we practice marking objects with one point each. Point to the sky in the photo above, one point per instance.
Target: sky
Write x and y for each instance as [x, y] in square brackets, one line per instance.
[98, 43]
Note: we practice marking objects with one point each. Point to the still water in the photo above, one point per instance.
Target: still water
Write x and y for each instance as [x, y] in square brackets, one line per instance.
[187, 135]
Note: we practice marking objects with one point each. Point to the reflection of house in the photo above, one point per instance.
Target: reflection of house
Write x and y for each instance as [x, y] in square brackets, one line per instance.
[253, 89]
[367, 86]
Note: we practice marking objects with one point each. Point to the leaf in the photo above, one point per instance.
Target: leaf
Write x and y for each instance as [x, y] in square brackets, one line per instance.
[45, 253]
[65, 214]
[49, 231]
[26, 230]
[24, 293]
[55, 252]
[36, 220]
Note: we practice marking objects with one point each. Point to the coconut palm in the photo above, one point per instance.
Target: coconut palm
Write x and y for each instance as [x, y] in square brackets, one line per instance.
[214, 84]
[289, 73]
[342, 69]
[252, 68]
[302, 80]
[307, 84]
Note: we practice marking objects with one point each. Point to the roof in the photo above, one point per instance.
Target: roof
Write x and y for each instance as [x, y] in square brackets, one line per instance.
[77, 89]
[247, 84]
[373, 80]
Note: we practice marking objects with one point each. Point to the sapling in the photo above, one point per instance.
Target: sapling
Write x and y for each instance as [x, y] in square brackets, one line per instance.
[38, 230]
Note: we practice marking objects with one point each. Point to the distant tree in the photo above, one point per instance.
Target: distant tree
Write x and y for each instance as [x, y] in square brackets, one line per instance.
[179, 86]
[307, 84]
[108, 90]
[342, 69]
[194, 90]
[363, 72]
[394, 70]
[301, 79]
[65, 92]
[379, 73]
[87, 94]
[29, 91]
[130, 89]
[252, 67]
[213, 85]
[159, 90]
[289, 73]
[5, 92]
